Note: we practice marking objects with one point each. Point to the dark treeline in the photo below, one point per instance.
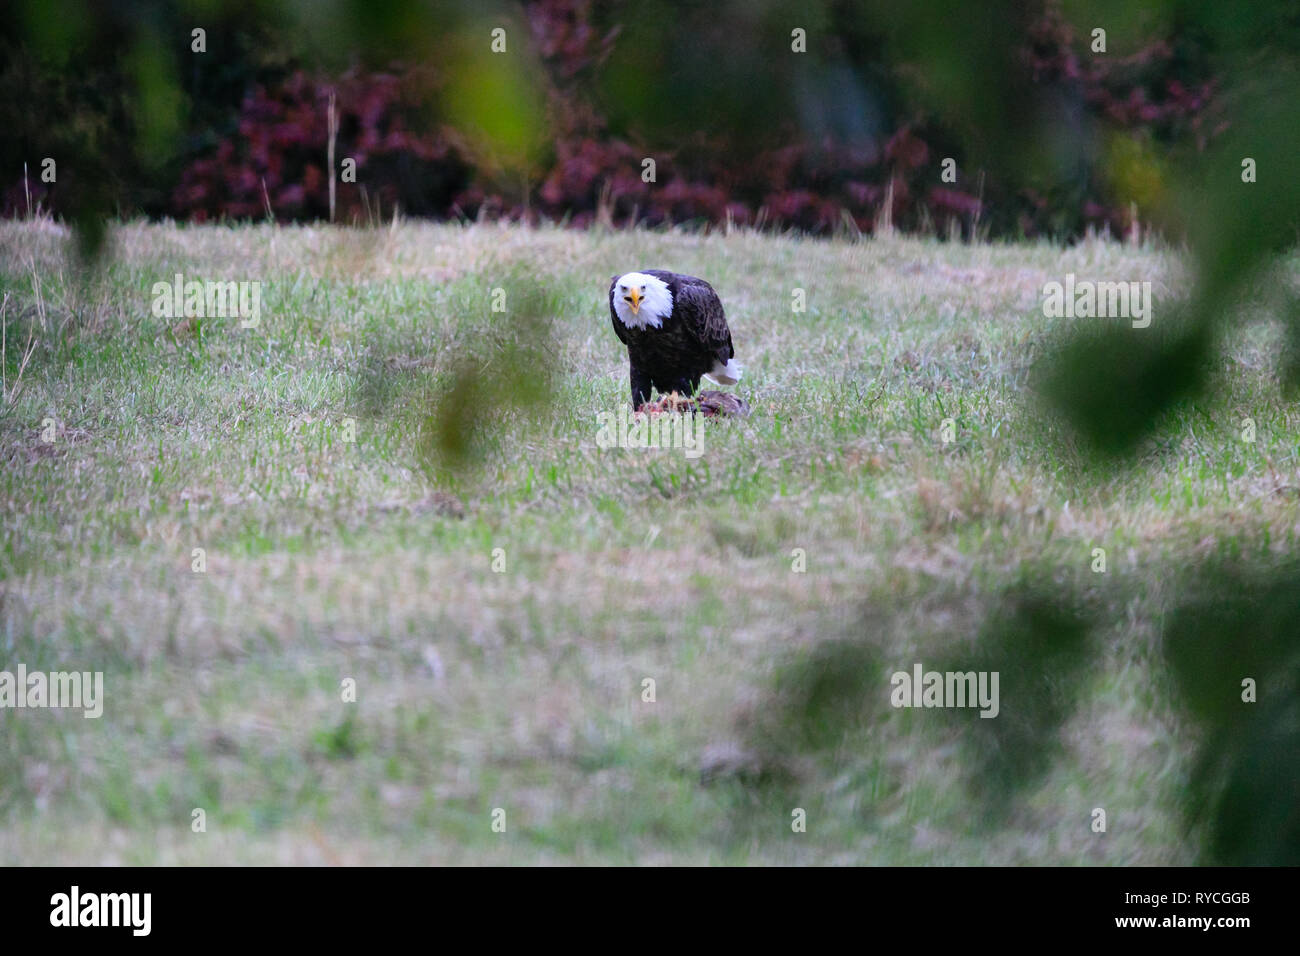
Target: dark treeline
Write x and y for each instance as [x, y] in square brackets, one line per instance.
[1000, 119]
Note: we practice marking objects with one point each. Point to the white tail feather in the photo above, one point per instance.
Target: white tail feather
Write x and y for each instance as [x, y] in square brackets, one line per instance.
[728, 374]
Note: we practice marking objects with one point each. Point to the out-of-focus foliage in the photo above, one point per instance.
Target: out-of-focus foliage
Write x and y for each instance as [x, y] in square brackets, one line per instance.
[505, 371]
[1041, 647]
[1047, 136]
[278, 159]
[1237, 624]
[826, 695]
[1184, 161]
[1146, 372]
[1113, 386]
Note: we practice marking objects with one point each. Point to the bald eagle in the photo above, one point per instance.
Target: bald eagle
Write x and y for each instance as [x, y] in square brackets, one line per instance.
[675, 332]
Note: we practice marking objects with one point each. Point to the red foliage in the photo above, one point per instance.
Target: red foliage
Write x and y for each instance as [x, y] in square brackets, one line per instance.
[279, 151]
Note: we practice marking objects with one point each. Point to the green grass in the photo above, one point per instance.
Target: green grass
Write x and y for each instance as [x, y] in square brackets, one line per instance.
[522, 690]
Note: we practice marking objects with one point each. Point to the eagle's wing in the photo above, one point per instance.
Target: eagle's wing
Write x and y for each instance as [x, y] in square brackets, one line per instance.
[700, 311]
[613, 316]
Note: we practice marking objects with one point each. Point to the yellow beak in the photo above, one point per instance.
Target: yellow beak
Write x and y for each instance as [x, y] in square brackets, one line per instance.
[635, 296]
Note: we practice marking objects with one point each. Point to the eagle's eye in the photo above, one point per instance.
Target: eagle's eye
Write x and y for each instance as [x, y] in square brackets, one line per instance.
[627, 298]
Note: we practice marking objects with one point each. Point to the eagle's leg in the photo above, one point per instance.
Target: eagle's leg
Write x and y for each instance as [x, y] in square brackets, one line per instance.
[686, 387]
[640, 388]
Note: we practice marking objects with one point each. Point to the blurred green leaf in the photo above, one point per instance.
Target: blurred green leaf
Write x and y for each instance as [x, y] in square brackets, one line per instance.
[1037, 639]
[1238, 623]
[1112, 383]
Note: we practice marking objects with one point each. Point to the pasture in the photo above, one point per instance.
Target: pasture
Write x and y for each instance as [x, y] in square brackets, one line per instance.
[500, 622]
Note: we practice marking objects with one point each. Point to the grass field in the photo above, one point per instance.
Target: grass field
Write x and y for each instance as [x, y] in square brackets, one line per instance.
[522, 688]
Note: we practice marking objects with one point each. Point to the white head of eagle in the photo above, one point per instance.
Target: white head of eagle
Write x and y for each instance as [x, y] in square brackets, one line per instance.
[642, 300]
[675, 331]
